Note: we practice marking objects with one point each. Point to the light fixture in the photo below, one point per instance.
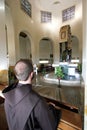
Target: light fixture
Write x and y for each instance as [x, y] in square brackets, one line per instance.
[56, 2]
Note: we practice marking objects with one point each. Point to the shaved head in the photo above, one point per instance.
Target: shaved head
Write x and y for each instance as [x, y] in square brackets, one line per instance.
[23, 69]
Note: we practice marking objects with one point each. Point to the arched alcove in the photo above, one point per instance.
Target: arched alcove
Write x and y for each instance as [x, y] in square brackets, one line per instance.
[75, 47]
[25, 46]
[71, 53]
[46, 50]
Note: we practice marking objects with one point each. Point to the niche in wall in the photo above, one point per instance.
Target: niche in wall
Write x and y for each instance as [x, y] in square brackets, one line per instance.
[46, 50]
[25, 46]
[75, 47]
[68, 55]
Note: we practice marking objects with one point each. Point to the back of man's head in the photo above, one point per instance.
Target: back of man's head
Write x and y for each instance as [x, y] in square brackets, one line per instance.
[23, 69]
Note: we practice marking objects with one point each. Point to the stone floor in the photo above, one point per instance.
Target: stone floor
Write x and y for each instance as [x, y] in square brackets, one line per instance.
[70, 94]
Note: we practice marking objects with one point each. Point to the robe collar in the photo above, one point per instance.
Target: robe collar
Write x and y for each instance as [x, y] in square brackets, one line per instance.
[15, 93]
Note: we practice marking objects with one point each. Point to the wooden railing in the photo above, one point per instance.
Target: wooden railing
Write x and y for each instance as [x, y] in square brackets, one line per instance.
[70, 119]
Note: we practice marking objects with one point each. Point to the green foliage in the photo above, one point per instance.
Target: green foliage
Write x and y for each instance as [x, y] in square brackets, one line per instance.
[79, 67]
[59, 72]
[43, 71]
[11, 75]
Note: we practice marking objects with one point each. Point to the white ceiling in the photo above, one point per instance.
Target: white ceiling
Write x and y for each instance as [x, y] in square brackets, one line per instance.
[48, 5]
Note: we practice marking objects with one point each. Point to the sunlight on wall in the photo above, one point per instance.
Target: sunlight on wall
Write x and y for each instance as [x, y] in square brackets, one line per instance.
[3, 49]
[1, 6]
[3, 66]
[53, 25]
[78, 14]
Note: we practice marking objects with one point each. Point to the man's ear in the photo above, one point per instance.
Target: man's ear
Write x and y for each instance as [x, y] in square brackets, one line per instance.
[32, 75]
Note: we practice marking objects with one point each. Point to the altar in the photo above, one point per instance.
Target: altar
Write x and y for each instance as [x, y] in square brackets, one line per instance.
[71, 75]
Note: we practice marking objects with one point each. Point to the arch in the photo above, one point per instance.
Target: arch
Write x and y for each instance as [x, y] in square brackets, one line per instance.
[73, 51]
[75, 47]
[46, 50]
[25, 48]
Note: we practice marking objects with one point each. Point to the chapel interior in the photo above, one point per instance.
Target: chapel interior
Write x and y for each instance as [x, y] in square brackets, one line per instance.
[53, 35]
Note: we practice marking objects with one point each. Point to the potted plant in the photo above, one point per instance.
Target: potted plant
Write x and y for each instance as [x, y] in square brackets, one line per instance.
[79, 69]
[59, 74]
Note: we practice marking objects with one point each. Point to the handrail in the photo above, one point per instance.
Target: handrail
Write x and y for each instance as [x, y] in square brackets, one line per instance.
[62, 105]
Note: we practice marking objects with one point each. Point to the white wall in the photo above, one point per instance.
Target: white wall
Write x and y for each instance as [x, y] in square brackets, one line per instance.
[84, 68]
[3, 49]
[37, 30]
[10, 35]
